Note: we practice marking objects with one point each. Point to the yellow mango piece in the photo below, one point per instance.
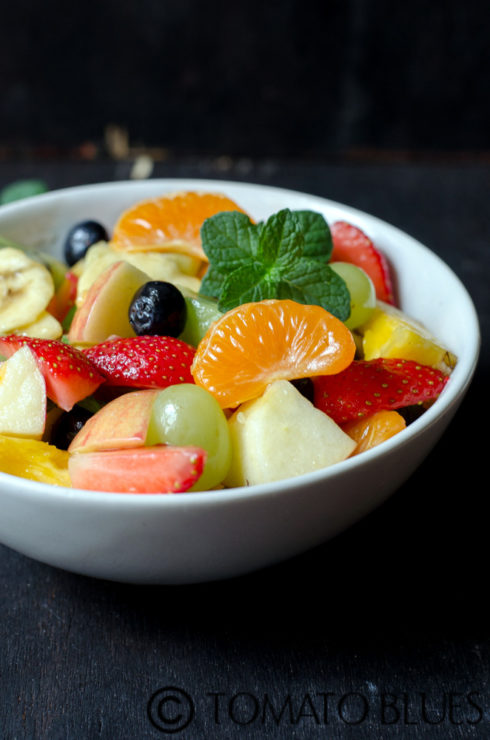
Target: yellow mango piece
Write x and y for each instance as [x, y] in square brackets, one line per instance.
[35, 460]
[390, 333]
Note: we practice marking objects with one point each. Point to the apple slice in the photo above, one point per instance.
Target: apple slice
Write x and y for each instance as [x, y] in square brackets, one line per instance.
[122, 423]
[281, 435]
[22, 396]
[158, 469]
[104, 311]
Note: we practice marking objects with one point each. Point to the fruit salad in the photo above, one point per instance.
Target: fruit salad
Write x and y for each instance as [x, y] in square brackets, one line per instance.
[192, 348]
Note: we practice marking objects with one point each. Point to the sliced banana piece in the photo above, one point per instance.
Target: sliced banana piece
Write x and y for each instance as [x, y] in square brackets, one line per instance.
[172, 268]
[26, 287]
[44, 327]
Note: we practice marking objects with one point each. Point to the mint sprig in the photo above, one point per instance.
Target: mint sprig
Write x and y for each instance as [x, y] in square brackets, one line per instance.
[285, 257]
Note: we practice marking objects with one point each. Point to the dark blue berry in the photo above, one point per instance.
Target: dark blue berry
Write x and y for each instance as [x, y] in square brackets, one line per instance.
[68, 425]
[80, 238]
[158, 308]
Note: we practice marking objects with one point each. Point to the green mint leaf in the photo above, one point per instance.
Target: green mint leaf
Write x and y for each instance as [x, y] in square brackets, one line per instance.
[317, 237]
[281, 239]
[246, 284]
[285, 257]
[314, 283]
[212, 283]
[228, 239]
[21, 189]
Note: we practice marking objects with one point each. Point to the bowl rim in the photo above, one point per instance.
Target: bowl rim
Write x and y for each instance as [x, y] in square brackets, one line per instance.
[447, 402]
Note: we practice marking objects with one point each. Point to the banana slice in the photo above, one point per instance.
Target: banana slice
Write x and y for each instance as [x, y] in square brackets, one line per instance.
[26, 287]
[44, 327]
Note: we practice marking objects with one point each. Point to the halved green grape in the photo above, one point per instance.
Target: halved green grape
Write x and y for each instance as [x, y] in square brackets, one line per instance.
[186, 414]
[362, 292]
[201, 313]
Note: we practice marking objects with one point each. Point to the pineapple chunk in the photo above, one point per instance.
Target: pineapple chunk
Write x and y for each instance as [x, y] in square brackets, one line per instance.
[390, 333]
[30, 458]
[281, 435]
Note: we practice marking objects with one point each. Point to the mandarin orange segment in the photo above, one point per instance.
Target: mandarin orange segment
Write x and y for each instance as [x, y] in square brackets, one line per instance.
[370, 431]
[256, 343]
[170, 223]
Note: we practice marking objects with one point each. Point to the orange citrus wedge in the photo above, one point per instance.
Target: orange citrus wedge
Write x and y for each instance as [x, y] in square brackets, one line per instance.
[370, 431]
[256, 343]
[170, 223]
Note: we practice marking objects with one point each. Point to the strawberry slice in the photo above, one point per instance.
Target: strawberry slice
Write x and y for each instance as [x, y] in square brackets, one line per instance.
[350, 244]
[143, 362]
[69, 375]
[367, 386]
[157, 469]
[64, 298]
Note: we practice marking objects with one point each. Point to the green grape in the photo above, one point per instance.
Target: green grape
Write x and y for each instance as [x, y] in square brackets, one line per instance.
[201, 312]
[362, 292]
[186, 414]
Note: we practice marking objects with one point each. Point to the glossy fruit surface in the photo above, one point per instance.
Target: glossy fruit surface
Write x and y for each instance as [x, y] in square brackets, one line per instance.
[68, 425]
[367, 386]
[159, 469]
[351, 244]
[33, 459]
[80, 237]
[201, 313]
[188, 415]
[391, 333]
[69, 375]
[170, 223]
[370, 431]
[158, 307]
[362, 292]
[120, 423]
[257, 343]
[143, 362]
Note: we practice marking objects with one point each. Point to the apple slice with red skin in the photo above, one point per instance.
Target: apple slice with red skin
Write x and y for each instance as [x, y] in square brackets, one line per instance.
[157, 469]
[122, 423]
[104, 311]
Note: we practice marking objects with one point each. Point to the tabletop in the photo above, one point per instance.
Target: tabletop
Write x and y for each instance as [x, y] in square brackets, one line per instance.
[382, 632]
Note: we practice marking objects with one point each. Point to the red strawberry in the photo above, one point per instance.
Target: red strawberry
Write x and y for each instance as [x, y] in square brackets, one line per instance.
[143, 362]
[157, 469]
[367, 386]
[64, 298]
[69, 375]
[350, 244]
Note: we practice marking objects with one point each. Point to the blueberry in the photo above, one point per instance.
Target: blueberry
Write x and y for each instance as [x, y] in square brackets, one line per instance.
[68, 426]
[158, 308]
[80, 238]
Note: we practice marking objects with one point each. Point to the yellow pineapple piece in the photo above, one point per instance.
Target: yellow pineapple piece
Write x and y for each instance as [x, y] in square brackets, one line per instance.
[390, 333]
[30, 458]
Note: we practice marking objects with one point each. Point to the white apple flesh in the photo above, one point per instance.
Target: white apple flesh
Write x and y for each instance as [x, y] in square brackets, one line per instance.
[104, 311]
[281, 435]
[22, 396]
[120, 424]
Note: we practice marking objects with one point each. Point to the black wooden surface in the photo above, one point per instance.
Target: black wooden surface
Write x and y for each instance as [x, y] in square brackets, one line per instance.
[281, 77]
[380, 633]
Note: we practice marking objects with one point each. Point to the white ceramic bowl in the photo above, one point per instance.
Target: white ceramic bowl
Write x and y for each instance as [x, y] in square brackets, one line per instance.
[196, 537]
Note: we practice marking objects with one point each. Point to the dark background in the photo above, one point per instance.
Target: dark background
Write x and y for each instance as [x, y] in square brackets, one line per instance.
[307, 78]
[380, 104]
